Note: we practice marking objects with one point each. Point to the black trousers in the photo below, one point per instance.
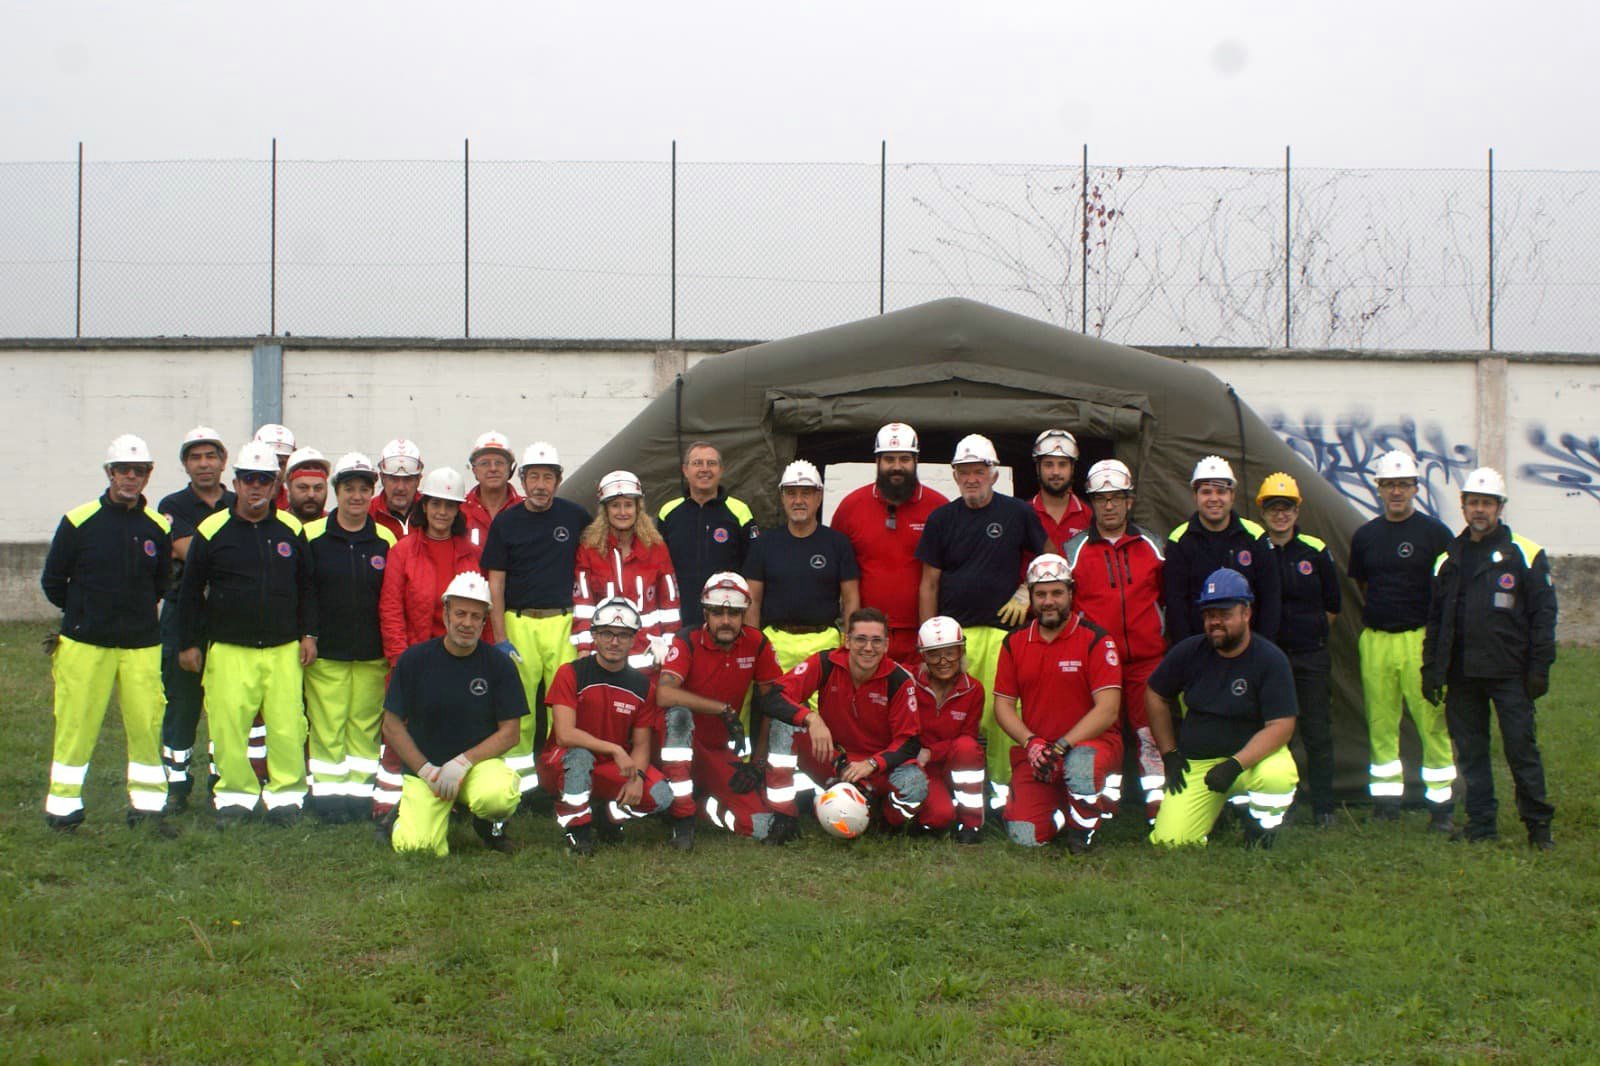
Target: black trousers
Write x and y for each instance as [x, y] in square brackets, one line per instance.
[185, 698]
[1467, 701]
[1311, 670]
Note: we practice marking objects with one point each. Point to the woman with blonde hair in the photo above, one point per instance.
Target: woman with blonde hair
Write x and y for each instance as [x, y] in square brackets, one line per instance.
[621, 553]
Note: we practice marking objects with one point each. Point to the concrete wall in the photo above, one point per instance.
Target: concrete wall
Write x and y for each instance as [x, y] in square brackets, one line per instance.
[1534, 416]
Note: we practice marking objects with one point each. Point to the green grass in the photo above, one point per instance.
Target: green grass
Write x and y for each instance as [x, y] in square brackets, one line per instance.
[1362, 943]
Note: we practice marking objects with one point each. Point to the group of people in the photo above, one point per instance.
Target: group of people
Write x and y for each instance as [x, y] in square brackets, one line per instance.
[423, 647]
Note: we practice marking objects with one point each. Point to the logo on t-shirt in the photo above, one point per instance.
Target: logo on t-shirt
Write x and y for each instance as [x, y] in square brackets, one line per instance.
[802, 667]
[1240, 686]
[675, 653]
[1508, 581]
[561, 533]
[1111, 654]
[1244, 558]
[720, 535]
[1070, 666]
[622, 707]
[378, 563]
[478, 686]
[284, 549]
[818, 562]
[995, 530]
[150, 549]
[1405, 549]
[1305, 567]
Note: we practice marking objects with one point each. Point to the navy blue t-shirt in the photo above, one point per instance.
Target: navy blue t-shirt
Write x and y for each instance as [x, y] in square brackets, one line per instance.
[451, 703]
[979, 552]
[1396, 560]
[537, 550]
[1228, 701]
[801, 574]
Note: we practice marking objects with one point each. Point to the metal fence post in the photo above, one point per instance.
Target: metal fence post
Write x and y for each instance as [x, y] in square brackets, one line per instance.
[466, 237]
[1083, 245]
[272, 270]
[883, 216]
[673, 333]
[1287, 247]
[1491, 249]
[77, 314]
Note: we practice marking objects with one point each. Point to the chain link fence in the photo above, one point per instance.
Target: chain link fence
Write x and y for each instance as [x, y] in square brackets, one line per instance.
[1159, 255]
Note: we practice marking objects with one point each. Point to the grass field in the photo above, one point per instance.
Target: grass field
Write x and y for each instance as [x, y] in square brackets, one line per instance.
[1360, 943]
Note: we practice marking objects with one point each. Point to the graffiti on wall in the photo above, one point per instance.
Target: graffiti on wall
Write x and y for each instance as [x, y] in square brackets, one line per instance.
[1574, 465]
[1345, 452]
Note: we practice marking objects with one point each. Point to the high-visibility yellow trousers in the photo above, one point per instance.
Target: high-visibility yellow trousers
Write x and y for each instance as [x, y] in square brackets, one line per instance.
[84, 676]
[1391, 672]
[344, 710]
[983, 658]
[491, 790]
[544, 644]
[1186, 817]
[241, 682]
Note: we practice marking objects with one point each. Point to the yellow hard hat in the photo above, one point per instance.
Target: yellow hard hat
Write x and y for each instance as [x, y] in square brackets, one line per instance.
[1279, 486]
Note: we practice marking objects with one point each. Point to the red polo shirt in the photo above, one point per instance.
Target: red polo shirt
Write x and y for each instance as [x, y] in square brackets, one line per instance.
[722, 674]
[890, 570]
[1074, 520]
[1055, 680]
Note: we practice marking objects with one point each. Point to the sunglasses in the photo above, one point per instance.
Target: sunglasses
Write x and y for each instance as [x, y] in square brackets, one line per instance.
[888, 520]
[252, 478]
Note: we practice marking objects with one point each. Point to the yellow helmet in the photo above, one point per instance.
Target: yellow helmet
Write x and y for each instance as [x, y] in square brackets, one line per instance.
[1278, 486]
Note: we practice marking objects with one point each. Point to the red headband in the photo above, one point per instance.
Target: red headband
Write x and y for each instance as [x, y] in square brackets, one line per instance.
[308, 471]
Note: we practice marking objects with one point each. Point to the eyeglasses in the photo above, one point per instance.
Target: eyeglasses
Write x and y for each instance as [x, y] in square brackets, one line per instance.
[257, 478]
[942, 655]
[888, 519]
[617, 635]
[863, 641]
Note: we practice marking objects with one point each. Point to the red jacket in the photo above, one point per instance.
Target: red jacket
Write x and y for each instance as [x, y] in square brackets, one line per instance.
[478, 516]
[644, 576]
[381, 514]
[411, 591]
[941, 723]
[1119, 588]
[865, 721]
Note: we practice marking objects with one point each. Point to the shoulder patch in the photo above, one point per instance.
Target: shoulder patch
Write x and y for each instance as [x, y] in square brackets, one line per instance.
[317, 528]
[668, 507]
[213, 523]
[740, 510]
[1438, 564]
[1177, 533]
[1314, 543]
[1252, 528]
[1072, 548]
[289, 520]
[385, 534]
[159, 519]
[81, 514]
[1155, 545]
[1530, 549]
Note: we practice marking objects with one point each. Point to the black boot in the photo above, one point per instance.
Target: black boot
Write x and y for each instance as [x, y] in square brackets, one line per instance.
[580, 840]
[493, 835]
[683, 833]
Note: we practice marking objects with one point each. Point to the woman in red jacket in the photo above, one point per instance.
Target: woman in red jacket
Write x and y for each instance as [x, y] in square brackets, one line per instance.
[949, 710]
[411, 606]
[622, 554]
[421, 566]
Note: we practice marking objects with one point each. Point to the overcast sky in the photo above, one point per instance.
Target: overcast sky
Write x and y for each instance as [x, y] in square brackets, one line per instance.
[1350, 84]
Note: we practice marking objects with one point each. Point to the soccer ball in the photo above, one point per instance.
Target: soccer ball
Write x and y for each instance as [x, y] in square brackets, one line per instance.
[843, 811]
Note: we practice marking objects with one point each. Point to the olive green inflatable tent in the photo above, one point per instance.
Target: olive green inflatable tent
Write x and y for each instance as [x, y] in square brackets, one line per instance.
[953, 367]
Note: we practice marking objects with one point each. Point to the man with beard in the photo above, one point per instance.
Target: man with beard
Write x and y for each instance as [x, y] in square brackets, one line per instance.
[883, 522]
[246, 615]
[707, 675]
[1063, 515]
[1215, 538]
[307, 483]
[397, 507]
[492, 465]
[1057, 693]
[1238, 691]
[707, 531]
[1492, 637]
[204, 457]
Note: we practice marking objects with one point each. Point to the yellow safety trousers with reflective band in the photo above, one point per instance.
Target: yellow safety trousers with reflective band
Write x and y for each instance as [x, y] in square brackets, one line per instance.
[544, 644]
[792, 649]
[240, 682]
[983, 659]
[84, 676]
[1391, 672]
[491, 790]
[1268, 787]
[344, 711]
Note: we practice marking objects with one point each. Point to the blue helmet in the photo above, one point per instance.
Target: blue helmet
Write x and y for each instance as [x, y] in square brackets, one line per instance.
[1224, 588]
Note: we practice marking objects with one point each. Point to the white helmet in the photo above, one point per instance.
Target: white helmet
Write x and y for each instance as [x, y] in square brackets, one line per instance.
[1048, 568]
[1212, 468]
[469, 585]
[256, 458]
[400, 458]
[492, 441]
[726, 589]
[130, 449]
[354, 464]
[541, 453]
[975, 448]
[1396, 466]
[201, 435]
[619, 483]
[800, 475]
[1057, 442]
[896, 437]
[1485, 481]
[308, 457]
[616, 612]
[444, 483]
[1108, 475]
[276, 437]
[940, 631]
